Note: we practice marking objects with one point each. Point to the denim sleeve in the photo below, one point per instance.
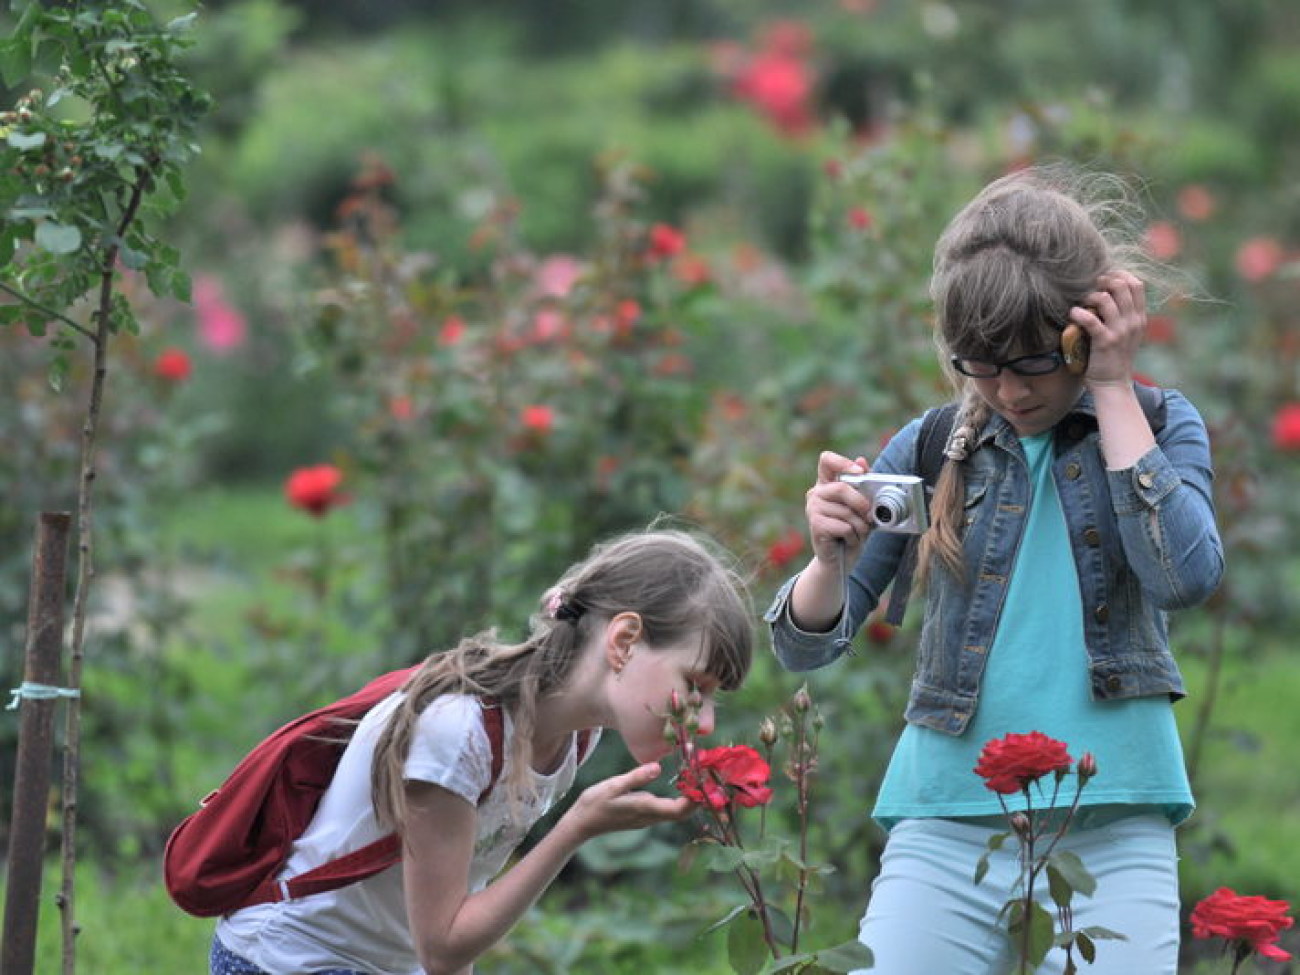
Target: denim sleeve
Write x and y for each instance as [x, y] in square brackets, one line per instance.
[800, 650]
[1164, 506]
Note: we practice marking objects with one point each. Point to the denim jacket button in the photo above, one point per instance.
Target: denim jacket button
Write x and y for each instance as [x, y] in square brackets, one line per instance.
[1073, 470]
[1092, 537]
[1113, 682]
[1147, 479]
[1102, 613]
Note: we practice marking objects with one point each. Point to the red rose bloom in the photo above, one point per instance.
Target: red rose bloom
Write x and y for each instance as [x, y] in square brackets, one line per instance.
[315, 489]
[1286, 427]
[1009, 764]
[537, 418]
[665, 241]
[717, 776]
[1255, 922]
[172, 365]
[785, 548]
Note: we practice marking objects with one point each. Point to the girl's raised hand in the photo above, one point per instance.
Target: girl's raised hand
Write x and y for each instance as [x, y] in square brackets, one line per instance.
[1115, 318]
[837, 512]
[618, 803]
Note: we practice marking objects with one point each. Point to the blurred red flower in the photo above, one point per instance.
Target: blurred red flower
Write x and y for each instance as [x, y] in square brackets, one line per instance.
[665, 241]
[452, 330]
[879, 632]
[715, 777]
[1010, 763]
[1163, 241]
[1286, 427]
[1253, 923]
[401, 408]
[785, 548]
[1196, 203]
[779, 84]
[315, 489]
[1258, 258]
[1161, 329]
[692, 270]
[626, 316]
[548, 325]
[221, 326]
[539, 419]
[859, 218]
[172, 365]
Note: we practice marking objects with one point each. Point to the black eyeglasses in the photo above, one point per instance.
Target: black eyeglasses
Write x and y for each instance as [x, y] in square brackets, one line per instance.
[1026, 365]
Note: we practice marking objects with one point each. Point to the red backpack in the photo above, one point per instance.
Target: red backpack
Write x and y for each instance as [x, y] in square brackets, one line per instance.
[226, 854]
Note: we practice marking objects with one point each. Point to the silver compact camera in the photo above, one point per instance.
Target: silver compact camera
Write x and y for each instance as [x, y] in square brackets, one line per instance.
[897, 501]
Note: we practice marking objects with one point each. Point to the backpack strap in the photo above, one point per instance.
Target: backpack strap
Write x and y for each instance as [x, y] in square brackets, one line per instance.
[374, 857]
[936, 428]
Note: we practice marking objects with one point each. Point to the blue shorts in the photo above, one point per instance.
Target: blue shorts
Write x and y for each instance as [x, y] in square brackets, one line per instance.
[223, 961]
[927, 914]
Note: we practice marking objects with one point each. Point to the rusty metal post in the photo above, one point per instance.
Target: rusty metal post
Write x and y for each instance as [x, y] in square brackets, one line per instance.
[35, 743]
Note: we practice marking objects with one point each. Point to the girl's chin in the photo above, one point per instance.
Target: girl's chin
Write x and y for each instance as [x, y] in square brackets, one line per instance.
[645, 752]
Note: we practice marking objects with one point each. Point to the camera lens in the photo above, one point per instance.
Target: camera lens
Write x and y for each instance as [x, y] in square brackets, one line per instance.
[890, 506]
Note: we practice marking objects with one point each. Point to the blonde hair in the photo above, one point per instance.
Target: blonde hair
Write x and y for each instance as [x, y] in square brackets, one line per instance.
[679, 583]
[1007, 270]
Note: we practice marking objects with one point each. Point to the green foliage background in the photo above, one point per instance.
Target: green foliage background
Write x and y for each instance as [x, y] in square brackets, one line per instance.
[518, 133]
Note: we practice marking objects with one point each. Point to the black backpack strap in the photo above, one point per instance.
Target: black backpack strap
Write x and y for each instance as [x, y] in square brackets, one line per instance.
[931, 442]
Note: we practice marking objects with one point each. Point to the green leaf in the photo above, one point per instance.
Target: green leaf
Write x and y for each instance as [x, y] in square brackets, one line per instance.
[847, 957]
[1072, 870]
[721, 859]
[57, 238]
[1059, 887]
[1087, 947]
[1098, 933]
[1041, 933]
[726, 919]
[15, 60]
[746, 949]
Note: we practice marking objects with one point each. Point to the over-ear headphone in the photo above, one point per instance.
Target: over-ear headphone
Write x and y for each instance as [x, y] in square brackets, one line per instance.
[1074, 349]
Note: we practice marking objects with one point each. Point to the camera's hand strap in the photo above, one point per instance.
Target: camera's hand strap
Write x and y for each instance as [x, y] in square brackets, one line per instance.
[843, 636]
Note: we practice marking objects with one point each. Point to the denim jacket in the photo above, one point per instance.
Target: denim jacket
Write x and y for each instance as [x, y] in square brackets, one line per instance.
[1144, 541]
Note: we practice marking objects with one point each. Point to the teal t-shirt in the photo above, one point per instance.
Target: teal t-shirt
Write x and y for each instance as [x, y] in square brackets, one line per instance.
[1036, 679]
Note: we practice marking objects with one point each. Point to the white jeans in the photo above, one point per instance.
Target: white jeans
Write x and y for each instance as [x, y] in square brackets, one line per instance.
[928, 917]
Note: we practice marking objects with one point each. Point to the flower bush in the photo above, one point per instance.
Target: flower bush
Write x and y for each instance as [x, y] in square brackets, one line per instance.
[1019, 763]
[726, 779]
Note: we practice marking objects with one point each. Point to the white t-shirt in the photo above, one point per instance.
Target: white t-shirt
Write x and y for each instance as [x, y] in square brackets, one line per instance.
[363, 926]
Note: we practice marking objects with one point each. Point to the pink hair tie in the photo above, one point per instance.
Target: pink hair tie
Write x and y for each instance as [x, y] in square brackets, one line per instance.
[559, 607]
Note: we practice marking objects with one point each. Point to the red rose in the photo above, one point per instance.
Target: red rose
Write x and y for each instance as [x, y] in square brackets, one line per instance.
[172, 365]
[665, 241]
[1252, 921]
[1009, 764]
[785, 548]
[1286, 427]
[717, 776]
[315, 489]
[1259, 258]
[538, 418]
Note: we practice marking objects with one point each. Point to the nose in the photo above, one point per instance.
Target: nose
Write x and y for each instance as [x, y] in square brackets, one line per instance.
[1011, 386]
[706, 717]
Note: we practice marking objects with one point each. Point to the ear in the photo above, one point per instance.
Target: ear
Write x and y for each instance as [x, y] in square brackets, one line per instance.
[622, 633]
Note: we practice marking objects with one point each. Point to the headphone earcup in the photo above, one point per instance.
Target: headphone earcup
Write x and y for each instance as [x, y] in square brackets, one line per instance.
[1074, 349]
